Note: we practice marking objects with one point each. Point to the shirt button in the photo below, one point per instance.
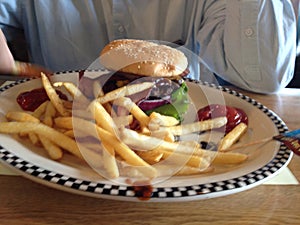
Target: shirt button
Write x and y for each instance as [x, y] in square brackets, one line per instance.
[121, 29]
[249, 32]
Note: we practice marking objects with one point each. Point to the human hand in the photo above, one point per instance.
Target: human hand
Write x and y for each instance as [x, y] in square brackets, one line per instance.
[6, 58]
[28, 70]
[11, 67]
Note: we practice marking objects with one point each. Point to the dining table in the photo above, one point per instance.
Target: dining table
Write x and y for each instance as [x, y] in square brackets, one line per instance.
[277, 201]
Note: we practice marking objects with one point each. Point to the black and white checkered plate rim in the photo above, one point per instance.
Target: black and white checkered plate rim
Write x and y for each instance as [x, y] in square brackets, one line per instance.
[180, 193]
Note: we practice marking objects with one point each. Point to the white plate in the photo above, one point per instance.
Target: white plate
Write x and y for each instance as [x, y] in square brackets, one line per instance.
[71, 175]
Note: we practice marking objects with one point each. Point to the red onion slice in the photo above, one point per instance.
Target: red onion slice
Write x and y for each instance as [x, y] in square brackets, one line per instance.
[148, 104]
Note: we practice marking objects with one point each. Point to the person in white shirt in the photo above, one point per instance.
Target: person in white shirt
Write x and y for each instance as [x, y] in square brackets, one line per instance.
[248, 43]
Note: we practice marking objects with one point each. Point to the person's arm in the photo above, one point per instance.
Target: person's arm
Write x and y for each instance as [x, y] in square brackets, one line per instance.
[6, 58]
[251, 44]
[9, 66]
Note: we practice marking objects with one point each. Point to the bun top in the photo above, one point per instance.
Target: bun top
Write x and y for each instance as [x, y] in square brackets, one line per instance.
[143, 58]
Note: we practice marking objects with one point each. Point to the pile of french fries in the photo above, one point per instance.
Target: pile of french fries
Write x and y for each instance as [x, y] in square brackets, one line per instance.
[94, 131]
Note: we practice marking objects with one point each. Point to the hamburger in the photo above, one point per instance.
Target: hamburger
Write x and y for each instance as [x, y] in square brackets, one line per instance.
[139, 61]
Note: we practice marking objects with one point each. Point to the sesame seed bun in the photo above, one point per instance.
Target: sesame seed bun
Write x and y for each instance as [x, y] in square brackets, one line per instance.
[143, 58]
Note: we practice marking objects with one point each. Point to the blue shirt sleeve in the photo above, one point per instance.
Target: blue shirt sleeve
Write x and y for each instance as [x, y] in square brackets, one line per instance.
[251, 44]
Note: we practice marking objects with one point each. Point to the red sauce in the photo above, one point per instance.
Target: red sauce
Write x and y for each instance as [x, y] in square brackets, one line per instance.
[31, 100]
[143, 189]
[143, 192]
[234, 115]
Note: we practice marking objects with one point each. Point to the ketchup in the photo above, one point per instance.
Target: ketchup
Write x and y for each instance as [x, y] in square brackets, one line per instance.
[234, 115]
[143, 190]
[31, 100]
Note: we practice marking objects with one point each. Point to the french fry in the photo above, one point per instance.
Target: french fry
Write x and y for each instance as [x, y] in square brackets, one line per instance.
[76, 127]
[102, 117]
[64, 122]
[33, 138]
[187, 170]
[225, 158]
[54, 151]
[123, 120]
[74, 91]
[78, 135]
[196, 126]
[40, 110]
[200, 162]
[164, 135]
[53, 96]
[124, 91]
[139, 114]
[24, 117]
[219, 158]
[146, 143]
[151, 157]
[123, 150]
[56, 137]
[157, 120]
[82, 113]
[21, 116]
[98, 92]
[109, 161]
[232, 137]
[85, 127]
[69, 133]
[127, 154]
[49, 114]
[90, 144]
[190, 143]
[141, 142]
